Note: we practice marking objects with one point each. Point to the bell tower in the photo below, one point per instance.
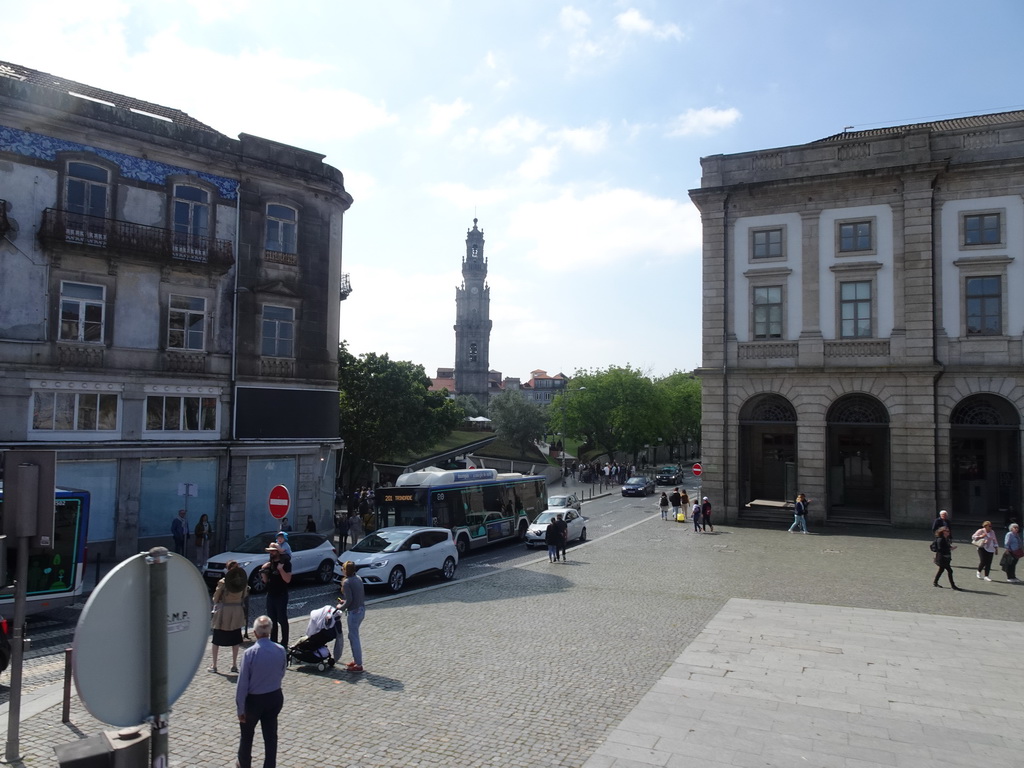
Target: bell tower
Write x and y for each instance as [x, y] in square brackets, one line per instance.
[473, 321]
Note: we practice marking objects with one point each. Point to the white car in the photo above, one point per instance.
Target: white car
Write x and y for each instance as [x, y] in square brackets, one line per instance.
[311, 554]
[392, 555]
[577, 526]
[559, 503]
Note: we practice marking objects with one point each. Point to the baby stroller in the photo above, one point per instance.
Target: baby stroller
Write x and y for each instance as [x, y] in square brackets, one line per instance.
[322, 629]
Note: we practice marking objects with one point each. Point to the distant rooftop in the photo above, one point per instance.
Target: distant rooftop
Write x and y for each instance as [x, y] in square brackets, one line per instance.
[953, 124]
[109, 98]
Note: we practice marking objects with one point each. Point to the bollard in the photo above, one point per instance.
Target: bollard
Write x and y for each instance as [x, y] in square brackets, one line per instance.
[65, 714]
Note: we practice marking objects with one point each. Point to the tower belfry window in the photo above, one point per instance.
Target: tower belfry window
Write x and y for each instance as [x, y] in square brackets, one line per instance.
[473, 353]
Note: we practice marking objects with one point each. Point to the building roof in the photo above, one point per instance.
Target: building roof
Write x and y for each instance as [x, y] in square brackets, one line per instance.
[100, 96]
[953, 124]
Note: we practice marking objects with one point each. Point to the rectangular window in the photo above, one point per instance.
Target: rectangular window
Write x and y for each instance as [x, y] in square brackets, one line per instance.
[74, 411]
[86, 200]
[768, 312]
[278, 331]
[767, 243]
[181, 414]
[190, 215]
[855, 310]
[186, 323]
[81, 312]
[984, 306]
[855, 236]
[983, 229]
[281, 228]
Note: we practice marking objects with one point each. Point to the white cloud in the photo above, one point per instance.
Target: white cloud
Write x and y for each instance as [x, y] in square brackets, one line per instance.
[443, 116]
[465, 197]
[615, 227]
[704, 121]
[506, 135]
[540, 162]
[635, 22]
[587, 140]
[574, 20]
[490, 61]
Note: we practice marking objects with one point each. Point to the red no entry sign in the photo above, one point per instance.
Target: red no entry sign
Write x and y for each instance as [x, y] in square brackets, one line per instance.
[697, 470]
[279, 501]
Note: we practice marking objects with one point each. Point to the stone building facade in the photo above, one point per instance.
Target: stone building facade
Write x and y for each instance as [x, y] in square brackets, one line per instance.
[169, 311]
[863, 320]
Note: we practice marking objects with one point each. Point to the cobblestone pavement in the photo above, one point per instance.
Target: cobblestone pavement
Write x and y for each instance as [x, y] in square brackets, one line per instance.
[536, 665]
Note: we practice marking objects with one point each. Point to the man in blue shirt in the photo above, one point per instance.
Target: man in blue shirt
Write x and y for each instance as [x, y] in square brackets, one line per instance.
[258, 696]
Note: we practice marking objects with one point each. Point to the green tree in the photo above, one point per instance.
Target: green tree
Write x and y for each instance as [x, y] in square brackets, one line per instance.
[680, 393]
[386, 409]
[516, 419]
[469, 405]
[618, 409]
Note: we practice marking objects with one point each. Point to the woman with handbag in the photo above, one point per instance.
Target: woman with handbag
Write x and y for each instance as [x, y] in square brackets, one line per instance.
[944, 557]
[1015, 549]
[988, 545]
[228, 615]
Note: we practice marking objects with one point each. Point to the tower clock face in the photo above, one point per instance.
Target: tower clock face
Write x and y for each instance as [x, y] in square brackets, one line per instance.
[474, 290]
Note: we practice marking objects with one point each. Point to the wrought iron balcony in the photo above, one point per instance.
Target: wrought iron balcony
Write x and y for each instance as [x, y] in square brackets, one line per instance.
[163, 246]
[346, 287]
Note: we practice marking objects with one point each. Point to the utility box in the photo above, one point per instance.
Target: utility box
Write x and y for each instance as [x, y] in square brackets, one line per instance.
[125, 748]
[28, 506]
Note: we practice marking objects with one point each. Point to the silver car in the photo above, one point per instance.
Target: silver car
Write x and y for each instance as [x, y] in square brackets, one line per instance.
[311, 553]
[560, 503]
[577, 526]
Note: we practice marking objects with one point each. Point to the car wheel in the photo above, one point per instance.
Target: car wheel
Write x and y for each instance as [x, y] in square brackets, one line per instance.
[448, 569]
[325, 572]
[583, 535]
[397, 579]
[256, 585]
[462, 545]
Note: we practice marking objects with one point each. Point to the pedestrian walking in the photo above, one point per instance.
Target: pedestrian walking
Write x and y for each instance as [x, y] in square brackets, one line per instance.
[355, 529]
[942, 521]
[799, 514]
[258, 695]
[1013, 553]
[684, 504]
[705, 513]
[310, 524]
[943, 557]
[675, 500]
[179, 531]
[228, 615]
[202, 535]
[563, 535]
[277, 575]
[551, 539]
[696, 514]
[663, 504]
[988, 545]
[353, 601]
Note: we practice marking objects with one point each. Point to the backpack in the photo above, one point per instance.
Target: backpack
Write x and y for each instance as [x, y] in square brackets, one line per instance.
[934, 546]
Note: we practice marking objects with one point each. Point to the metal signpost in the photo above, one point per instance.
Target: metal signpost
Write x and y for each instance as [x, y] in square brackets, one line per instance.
[697, 469]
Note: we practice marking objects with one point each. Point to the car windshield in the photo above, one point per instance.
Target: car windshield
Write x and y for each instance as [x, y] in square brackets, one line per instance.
[382, 541]
[667, 470]
[545, 517]
[636, 481]
[558, 501]
[256, 544]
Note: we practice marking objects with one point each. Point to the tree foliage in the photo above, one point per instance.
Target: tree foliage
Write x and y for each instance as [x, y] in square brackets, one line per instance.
[516, 419]
[386, 409]
[470, 405]
[681, 395]
[617, 409]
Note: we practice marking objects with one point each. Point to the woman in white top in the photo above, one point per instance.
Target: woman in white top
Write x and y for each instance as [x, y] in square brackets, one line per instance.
[985, 540]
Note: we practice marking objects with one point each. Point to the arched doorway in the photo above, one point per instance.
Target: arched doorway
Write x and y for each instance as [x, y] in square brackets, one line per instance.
[767, 450]
[984, 451]
[858, 459]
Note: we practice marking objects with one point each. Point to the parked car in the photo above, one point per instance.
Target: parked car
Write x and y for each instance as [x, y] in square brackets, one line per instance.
[311, 554]
[392, 555]
[577, 526]
[559, 503]
[669, 475]
[638, 486]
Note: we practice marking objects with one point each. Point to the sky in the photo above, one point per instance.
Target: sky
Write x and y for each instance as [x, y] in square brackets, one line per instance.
[572, 131]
